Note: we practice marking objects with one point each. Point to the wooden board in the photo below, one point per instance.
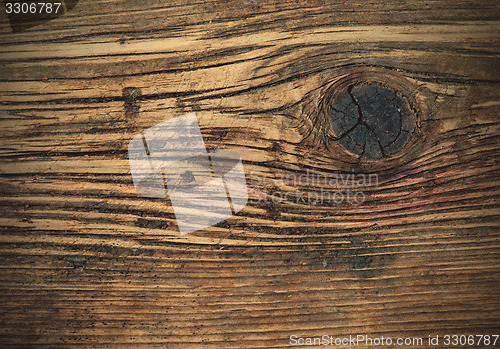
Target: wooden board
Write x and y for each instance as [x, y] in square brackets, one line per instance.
[86, 262]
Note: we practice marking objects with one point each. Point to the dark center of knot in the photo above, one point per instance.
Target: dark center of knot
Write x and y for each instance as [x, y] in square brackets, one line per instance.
[372, 121]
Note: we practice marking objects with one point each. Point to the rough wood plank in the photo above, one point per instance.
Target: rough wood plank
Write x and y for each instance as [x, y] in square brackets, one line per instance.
[86, 262]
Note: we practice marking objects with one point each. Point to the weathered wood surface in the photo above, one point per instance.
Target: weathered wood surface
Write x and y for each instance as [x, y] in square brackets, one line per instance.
[86, 262]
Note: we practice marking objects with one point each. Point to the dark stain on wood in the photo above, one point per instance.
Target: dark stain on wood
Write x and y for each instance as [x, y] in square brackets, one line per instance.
[131, 97]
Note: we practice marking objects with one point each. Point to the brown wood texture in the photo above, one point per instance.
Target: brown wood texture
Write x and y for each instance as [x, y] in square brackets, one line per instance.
[86, 262]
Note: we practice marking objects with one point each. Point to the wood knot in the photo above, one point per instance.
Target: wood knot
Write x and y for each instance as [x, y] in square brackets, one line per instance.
[371, 120]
